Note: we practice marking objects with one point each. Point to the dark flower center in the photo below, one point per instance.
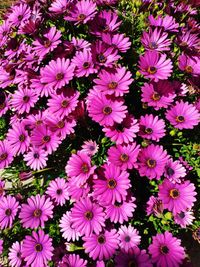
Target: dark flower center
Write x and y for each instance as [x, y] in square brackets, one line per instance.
[61, 124]
[112, 183]
[148, 131]
[132, 263]
[38, 122]
[105, 28]
[153, 45]
[188, 69]
[3, 156]
[59, 76]
[36, 156]
[112, 85]
[46, 139]
[2, 106]
[8, 212]
[174, 193]
[124, 157]
[180, 119]
[127, 239]
[164, 250]
[38, 247]
[118, 204]
[170, 171]
[151, 163]
[101, 239]
[183, 44]
[88, 215]
[47, 43]
[181, 215]
[151, 70]
[20, 17]
[19, 254]
[59, 191]
[81, 17]
[107, 110]
[37, 213]
[22, 138]
[155, 96]
[102, 58]
[86, 65]
[65, 104]
[85, 168]
[91, 148]
[26, 98]
[1, 191]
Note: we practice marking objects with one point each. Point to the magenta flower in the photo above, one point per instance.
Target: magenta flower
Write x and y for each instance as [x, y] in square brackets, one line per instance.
[82, 12]
[112, 185]
[177, 197]
[38, 210]
[107, 111]
[37, 249]
[156, 40]
[20, 13]
[124, 156]
[114, 83]
[77, 191]
[151, 127]
[166, 250]
[158, 95]
[72, 260]
[191, 65]
[155, 66]
[90, 147]
[174, 171]
[167, 22]
[7, 77]
[83, 62]
[68, 232]
[152, 161]
[123, 132]
[120, 211]
[15, 255]
[8, 210]
[6, 155]
[128, 238]
[58, 73]
[154, 206]
[101, 246]
[188, 40]
[48, 42]
[79, 168]
[87, 217]
[58, 191]
[36, 158]
[184, 218]
[118, 41]
[60, 6]
[183, 115]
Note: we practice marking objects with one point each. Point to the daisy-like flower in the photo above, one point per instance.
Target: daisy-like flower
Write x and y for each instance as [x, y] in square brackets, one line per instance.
[112, 185]
[4, 103]
[114, 82]
[107, 111]
[58, 191]
[183, 115]
[155, 66]
[134, 257]
[60, 6]
[80, 44]
[123, 132]
[23, 100]
[82, 12]
[38, 210]
[120, 211]
[189, 64]
[72, 260]
[20, 13]
[188, 40]
[166, 250]
[77, 191]
[15, 255]
[152, 161]
[37, 249]
[62, 105]
[83, 62]
[177, 197]
[68, 232]
[158, 95]
[167, 22]
[128, 237]
[87, 217]
[90, 148]
[174, 171]
[154, 206]
[184, 218]
[124, 156]
[18, 139]
[44, 138]
[156, 40]
[36, 158]
[8, 210]
[101, 246]
[58, 73]
[6, 154]
[118, 41]
[151, 127]
[48, 42]
[79, 167]
[7, 76]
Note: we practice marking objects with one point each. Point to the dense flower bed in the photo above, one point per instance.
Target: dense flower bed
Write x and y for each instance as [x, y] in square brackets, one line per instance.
[99, 108]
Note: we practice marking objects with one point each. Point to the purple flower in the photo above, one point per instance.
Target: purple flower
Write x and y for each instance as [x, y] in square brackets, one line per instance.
[174, 171]
[167, 22]
[58, 191]
[15, 255]
[36, 158]
[72, 260]
[191, 65]
[128, 238]
[6, 155]
[8, 210]
[184, 218]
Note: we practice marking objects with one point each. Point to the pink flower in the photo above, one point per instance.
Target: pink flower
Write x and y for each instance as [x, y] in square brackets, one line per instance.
[77, 191]
[72, 260]
[191, 65]
[6, 154]
[128, 237]
[184, 218]
[174, 171]
[167, 22]
[58, 191]
[8, 211]
[154, 206]
[19, 14]
[90, 147]
[118, 41]
[36, 158]
[14, 255]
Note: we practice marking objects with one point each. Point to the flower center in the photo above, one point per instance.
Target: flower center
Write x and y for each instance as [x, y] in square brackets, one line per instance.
[36, 156]
[155, 96]
[188, 69]
[3, 156]
[183, 44]
[124, 157]
[153, 45]
[148, 131]
[38, 247]
[118, 204]
[47, 43]
[180, 119]
[26, 98]
[37, 213]
[88, 215]
[81, 17]
[20, 17]
[46, 139]
[174, 193]
[85, 168]
[151, 163]
[86, 65]
[65, 104]
[107, 110]
[8, 212]
[2, 106]
[38, 122]
[127, 238]
[105, 28]
[181, 215]
[102, 58]
[59, 76]
[132, 263]
[170, 171]
[59, 191]
[101, 239]
[1, 191]
[151, 70]
[112, 183]
[112, 85]
[22, 138]
[61, 124]
[164, 250]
